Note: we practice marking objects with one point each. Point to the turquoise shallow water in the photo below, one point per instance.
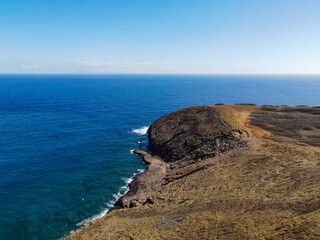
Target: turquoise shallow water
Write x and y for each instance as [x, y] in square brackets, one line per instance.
[65, 140]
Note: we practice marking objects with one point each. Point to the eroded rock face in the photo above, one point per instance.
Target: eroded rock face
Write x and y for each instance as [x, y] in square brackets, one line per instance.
[192, 134]
[144, 184]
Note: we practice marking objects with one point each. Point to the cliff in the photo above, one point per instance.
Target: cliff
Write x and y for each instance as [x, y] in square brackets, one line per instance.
[223, 172]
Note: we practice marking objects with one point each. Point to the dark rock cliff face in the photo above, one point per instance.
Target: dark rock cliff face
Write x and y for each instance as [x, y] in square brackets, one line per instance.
[192, 134]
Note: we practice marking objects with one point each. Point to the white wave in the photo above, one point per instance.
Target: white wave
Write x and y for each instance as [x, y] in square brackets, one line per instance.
[130, 179]
[122, 191]
[131, 151]
[84, 222]
[141, 131]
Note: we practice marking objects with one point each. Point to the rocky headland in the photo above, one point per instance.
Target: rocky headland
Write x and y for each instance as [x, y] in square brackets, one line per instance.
[223, 172]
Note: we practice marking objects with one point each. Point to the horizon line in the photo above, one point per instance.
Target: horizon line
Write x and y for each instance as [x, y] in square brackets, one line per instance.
[211, 74]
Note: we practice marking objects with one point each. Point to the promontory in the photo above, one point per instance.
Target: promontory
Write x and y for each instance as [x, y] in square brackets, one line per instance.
[223, 172]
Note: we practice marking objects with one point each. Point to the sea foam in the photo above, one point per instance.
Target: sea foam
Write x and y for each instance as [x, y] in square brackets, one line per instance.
[141, 131]
[122, 191]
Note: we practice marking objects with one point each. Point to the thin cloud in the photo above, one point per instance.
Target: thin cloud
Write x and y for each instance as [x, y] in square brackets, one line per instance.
[135, 67]
[112, 64]
[108, 64]
[29, 66]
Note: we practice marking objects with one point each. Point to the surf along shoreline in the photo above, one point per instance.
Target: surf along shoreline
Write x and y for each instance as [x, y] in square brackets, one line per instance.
[146, 182]
[131, 185]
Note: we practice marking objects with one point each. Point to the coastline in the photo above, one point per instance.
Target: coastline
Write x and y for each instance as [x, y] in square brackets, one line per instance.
[129, 182]
[139, 188]
[217, 173]
[143, 184]
[111, 203]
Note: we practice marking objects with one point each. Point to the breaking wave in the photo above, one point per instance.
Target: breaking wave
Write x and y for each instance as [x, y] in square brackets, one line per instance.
[141, 131]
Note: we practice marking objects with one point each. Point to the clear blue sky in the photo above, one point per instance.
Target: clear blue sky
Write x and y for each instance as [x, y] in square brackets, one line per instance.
[160, 36]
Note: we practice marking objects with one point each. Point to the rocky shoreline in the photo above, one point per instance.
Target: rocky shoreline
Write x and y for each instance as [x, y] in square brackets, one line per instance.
[143, 184]
[237, 167]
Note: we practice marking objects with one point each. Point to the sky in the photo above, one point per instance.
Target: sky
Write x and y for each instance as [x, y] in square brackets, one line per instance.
[160, 36]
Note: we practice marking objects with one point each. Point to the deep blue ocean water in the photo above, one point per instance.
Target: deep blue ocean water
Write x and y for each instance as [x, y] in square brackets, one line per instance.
[65, 140]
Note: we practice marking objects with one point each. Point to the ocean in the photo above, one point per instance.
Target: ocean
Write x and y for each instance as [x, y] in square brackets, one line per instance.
[65, 140]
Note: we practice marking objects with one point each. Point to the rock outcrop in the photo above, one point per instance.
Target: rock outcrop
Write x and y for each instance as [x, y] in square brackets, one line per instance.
[193, 133]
